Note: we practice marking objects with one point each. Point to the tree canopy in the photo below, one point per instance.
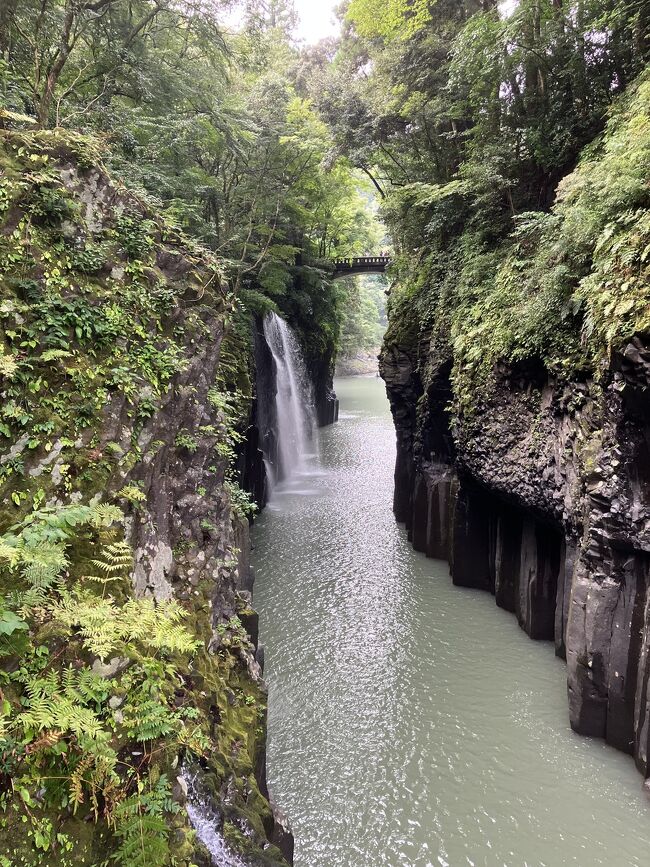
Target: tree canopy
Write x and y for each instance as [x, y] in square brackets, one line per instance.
[211, 124]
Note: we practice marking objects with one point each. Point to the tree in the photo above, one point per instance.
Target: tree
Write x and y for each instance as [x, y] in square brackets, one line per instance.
[271, 14]
[389, 18]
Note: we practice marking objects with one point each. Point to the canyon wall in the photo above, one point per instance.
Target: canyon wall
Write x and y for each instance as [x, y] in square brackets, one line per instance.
[541, 497]
[518, 370]
[128, 440]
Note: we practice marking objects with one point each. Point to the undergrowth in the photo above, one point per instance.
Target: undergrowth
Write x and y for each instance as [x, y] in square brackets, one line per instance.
[102, 694]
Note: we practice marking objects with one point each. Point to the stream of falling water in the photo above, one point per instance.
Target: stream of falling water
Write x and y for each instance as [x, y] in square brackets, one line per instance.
[296, 419]
[412, 723]
[207, 823]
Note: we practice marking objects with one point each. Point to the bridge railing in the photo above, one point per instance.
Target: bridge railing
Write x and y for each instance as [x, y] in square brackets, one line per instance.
[361, 262]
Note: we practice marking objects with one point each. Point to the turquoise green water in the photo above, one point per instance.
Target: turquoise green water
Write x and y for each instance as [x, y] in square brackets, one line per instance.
[412, 723]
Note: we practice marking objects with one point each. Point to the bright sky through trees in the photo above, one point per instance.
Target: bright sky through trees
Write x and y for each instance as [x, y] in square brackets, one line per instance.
[317, 19]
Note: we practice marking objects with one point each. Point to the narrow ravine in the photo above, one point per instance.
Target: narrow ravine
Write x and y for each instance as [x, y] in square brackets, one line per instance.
[412, 723]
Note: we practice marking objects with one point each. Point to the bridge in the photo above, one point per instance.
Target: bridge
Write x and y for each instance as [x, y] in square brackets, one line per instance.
[361, 265]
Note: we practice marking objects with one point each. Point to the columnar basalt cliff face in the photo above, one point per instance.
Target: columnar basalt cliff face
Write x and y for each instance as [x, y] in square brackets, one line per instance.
[327, 404]
[518, 369]
[542, 496]
[121, 418]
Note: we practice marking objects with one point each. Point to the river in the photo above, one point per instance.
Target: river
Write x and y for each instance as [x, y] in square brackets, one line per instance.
[412, 723]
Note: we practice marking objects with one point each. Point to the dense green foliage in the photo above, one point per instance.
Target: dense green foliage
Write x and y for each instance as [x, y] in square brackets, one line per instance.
[210, 124]
[104, 297]
[103, 303]
[509, 145]
[471, 118]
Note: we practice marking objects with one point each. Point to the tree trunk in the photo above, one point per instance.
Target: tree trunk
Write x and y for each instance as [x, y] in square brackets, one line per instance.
[60, 58]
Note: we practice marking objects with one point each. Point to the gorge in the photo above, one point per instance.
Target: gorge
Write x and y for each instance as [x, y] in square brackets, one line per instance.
[442, 574]
[411, 721]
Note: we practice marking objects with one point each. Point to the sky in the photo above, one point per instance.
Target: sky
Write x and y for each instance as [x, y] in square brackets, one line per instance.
[317, 19]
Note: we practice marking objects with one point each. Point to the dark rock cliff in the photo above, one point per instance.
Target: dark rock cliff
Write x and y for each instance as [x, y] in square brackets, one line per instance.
[114, 332]
[542, 497]
[327, 405]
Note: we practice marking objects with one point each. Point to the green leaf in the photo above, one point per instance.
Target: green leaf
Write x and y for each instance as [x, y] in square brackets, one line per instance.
[10, 623]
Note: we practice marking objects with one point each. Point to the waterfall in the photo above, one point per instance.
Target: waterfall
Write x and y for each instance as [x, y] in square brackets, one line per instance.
[207, 823]
[294, 400]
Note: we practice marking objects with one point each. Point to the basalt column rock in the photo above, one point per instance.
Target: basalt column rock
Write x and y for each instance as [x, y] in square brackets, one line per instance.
[539, 568]
[325, 399]
[398, 368]
[266, 387]
[542, 498]
[507, 558]
[472, 551]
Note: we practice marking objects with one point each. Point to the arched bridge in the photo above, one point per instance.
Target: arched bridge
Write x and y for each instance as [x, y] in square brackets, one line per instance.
[361, 265]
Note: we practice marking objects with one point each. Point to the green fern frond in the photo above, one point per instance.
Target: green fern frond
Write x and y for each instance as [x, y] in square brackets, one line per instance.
[105, 515]
[54, 702]
[105, 626]
[42, 565]
[149, 720]
[141, 826]
[9, 554]
[117, 559]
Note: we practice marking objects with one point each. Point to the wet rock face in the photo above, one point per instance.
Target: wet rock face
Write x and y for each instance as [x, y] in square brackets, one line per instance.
[542, 497]
[327, 405]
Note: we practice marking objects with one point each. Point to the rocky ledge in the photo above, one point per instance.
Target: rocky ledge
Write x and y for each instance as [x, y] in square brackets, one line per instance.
[542, 497]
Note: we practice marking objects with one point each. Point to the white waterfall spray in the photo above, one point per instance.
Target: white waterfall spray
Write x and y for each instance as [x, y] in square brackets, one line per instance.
[296, 417]
[207, 824]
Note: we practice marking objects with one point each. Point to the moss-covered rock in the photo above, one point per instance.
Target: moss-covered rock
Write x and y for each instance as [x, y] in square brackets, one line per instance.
[121, 525]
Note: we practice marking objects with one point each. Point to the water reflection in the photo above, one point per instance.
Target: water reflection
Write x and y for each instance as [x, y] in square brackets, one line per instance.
[413, 723]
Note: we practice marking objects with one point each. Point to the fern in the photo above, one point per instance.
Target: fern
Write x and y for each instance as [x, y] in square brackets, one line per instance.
[68, 706]
[97, 621]
[105, 515]
[9, 553]
[42, 565]
[106, 626]
[95, 774]
[132, 493]
[141, 827]
[91, 687]
[116, 562]
[159, 627]
[54, 703]
[38, 546]
[30, 601]
[148, 720]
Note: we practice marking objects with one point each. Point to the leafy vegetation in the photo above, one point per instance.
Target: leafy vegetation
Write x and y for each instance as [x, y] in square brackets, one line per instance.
[214, 126]
[509, 145]
[103, 307]
[60, 734]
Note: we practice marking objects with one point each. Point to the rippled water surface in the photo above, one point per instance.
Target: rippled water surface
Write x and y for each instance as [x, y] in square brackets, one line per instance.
[412, 723]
